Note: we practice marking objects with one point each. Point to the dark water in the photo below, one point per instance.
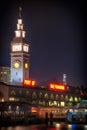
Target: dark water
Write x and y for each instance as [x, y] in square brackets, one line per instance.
[56, 126]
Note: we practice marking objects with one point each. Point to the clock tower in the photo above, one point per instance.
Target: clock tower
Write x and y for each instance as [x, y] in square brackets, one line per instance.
[19, 55]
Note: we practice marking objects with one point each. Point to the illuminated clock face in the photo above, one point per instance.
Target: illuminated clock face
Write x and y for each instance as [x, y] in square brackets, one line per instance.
[16, 64]
[26, 65]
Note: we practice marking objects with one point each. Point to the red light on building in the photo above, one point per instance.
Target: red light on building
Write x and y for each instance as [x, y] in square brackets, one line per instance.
[56, 87]
[29, 82]
[33, 83]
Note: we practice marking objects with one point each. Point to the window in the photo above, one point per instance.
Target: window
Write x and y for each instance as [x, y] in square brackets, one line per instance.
[62, 97]
[13, 93]
[40, 95]
[71, 98]
[76, 99]
[52, 97]
[34, 95]
[57, 97]
[27, 93]
[66, 98]
[46, 96]
[62, 104]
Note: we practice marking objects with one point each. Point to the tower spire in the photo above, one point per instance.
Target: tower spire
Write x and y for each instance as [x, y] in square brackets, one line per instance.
[20, 10]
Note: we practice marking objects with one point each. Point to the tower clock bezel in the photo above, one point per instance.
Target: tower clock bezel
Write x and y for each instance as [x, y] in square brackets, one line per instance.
[26, 65]
[16, 64]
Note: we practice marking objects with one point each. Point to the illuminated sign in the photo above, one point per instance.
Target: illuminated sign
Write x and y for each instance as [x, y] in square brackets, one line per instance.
[56, 87]
[29, 82]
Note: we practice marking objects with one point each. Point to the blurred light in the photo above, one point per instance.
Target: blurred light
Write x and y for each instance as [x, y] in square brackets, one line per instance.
[73, 126]
[69, 127]
[56, 87]
[26, 65]
[33, 109]
[57, 125]
[85, 127]
[29, 82]
[11, 99]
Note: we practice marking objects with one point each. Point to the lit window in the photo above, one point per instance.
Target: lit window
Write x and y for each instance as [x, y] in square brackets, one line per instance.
[51, 103]
[79, 98]
[57, 97]
[34, 95]
[21, 27]
[9, 107]
[58, 104]
[55, 103]
[11, 99]
[13, 92]
[66, 98]
[71, 98]
[62, 104]
[19, 21]
[2, 100]
[69, 104]
[18, 33]
[18, 26]
[46, 96]
[62, 97]
[51, 96]
[28, 94]
[76, 99]
[5, 72]
[23, 34]
[40, 95]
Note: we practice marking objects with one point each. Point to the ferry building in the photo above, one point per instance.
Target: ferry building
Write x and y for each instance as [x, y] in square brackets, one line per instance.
[23, 95]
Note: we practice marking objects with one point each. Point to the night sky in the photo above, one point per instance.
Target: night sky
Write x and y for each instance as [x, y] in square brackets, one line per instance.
[57, 33]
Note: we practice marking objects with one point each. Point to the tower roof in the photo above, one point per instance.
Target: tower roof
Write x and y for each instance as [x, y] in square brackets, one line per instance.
[19, 32]
[19, 40]
[20, 12]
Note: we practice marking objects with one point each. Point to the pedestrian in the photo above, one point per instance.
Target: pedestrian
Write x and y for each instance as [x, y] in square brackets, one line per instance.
[51, 118]
[46, 118]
